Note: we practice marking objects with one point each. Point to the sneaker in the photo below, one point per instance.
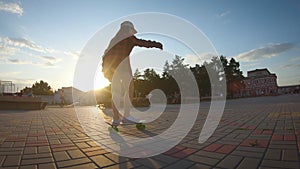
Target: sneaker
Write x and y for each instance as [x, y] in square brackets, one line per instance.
[130, 120]
[116, 122]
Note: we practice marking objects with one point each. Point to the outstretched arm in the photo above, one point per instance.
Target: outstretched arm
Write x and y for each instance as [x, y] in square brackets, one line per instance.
[147, 43]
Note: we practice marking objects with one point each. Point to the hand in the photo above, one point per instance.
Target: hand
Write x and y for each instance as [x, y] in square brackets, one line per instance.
[160, 46]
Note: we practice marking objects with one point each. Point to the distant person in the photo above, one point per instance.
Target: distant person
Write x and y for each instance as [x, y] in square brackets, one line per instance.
[116, 63]
[62, 98]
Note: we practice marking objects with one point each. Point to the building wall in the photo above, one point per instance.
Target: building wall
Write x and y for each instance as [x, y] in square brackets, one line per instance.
[47, 98]
[73, 95]
[68, 95]
[260, 83]
[295, 89]
[258, 72]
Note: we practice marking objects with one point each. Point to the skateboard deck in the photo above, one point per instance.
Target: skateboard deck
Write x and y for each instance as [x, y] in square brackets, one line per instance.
[139, 126]
[107, 118]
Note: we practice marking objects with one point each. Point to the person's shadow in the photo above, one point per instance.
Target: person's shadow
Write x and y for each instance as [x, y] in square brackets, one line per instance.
[124, 148]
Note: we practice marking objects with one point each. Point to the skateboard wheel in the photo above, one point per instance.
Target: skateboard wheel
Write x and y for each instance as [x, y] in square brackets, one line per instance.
[115, 128]
[140, 126]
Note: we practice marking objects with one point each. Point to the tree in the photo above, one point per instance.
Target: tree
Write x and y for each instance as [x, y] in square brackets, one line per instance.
[202, 79]
[41, 88]
[234, 75]
[150, 75]
[26, 90]
[235, 72]
[137, 74]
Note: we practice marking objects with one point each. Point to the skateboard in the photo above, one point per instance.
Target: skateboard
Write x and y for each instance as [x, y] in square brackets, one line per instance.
[107, 118]
[139, 126]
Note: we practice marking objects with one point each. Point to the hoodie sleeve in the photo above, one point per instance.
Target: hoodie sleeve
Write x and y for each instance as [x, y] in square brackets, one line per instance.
[146, 43]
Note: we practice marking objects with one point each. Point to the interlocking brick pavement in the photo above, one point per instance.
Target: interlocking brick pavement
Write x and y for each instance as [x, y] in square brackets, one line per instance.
[259, 132]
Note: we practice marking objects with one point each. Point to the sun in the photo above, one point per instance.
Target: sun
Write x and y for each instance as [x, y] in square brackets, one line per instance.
[100, 81]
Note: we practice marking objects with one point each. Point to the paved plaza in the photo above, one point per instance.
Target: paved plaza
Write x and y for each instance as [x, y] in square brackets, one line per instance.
[259, 132]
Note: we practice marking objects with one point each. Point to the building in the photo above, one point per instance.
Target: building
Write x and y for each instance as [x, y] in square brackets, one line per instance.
[293, 89]
[72, 95]
[260, 82]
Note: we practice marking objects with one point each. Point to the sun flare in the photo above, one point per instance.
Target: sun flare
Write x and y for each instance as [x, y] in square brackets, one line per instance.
[100, 81]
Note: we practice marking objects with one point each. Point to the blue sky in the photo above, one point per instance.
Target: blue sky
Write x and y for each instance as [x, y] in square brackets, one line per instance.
[41, 40]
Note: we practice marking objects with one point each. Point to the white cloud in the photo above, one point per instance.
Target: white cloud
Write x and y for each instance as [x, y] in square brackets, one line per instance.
[13, 8]
[290, 66]
[7, 50]
[295, 59]
[74, 54]
[12, 49]
[10, 74]
[268, 51]
[292, 63]
[224, 13]
[49, 64]
[25, 43]
[14, 61]
[50, 59]
[198, 59]
[17, 61]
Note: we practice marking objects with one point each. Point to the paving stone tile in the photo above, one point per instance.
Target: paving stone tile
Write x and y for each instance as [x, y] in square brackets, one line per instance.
[203, 160]
[277, 137]
[273, 154]
[60, 156]
[29, 167]
[30, 150]
[64, 148]
[36, 161]
[83, 166]
[116, 158]
[45, 160]
[19, 144]
[88, 149]
[248, 154]
[289, 137]
[12, 161]
[249, 163]
[200, 166]
[287, 146]
[210, 154]
[180, 164]
[82, 145]
[151, 163]
[129, 164]
[75, 154]
[230, 161]
[7, 144]
[280, 164]
[184, 153]
[267, 168]
[47, 166]
[73, 162]
[44, 149]
[226, 149]
[102, 161]
[96, 153]
[290, 155]
[174, 150]
[213, 147]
